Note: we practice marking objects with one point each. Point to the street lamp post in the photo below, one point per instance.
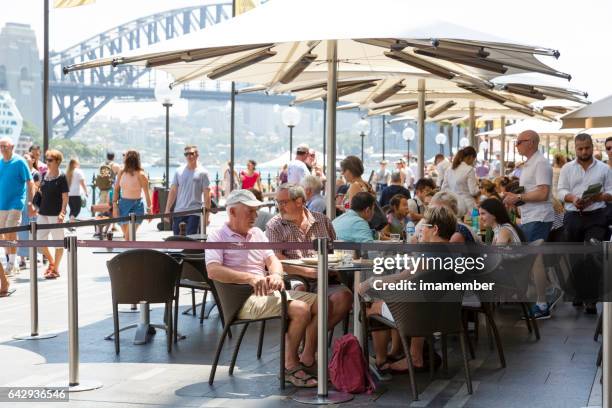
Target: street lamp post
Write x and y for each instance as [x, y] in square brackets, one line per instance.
[464, 142]
[364, 128]
[291, 118]
[440, 140]
[408, 134]
[166, 95]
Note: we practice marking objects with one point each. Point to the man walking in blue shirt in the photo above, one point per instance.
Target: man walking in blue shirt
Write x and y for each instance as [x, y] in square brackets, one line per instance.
[14, 178]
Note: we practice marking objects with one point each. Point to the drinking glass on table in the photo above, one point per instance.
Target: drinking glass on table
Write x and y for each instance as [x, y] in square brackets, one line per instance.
[395, 237]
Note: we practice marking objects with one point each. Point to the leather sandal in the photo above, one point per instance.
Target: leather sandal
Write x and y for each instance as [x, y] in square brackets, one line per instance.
[300, 382]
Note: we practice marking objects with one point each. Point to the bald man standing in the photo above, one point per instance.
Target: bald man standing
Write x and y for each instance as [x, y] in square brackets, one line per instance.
[537, 214]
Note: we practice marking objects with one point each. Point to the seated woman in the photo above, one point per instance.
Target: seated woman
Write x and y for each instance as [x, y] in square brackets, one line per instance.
[439, 224]
[493, 214]
[464, 234]
[397, 216]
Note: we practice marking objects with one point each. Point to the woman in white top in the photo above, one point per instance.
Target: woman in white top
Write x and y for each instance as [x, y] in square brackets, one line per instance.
[493, 214]
[461, 178]
[76, 183]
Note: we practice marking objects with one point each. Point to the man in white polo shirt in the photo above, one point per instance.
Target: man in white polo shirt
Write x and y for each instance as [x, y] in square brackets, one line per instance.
[537, 214]
[535, 204]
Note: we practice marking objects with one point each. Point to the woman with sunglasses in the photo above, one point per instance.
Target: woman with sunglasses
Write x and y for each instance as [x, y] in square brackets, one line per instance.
[52, 203]
[131, 183]
[439, 224]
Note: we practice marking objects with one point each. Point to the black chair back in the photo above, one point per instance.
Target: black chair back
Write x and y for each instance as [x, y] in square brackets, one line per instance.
[232, 297]
[143, 275]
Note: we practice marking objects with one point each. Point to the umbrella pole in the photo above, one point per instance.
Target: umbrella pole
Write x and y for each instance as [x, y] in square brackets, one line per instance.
[472, 126]
[332, 97]
[548, 147]
[232, 136]
[421, 128]
[322, 395]
[383, 137]
[324, 137]
[449, 131]
[502, 135]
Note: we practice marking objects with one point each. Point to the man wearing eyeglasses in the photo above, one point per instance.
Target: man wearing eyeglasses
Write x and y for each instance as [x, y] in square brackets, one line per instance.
[190, 188]
[15, 182]
[537, 214]
[536, 207]
[295, 223]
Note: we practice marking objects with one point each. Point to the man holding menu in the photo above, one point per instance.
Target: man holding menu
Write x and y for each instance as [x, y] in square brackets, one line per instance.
[585, 185]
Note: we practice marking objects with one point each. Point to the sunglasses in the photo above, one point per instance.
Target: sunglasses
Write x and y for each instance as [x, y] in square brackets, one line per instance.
[518, 142]
[4, 147]
[188, 154]
[49, 159]
[427, 225]
[609, 147]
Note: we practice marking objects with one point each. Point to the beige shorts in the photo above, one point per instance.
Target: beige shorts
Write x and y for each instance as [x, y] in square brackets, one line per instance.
[55, 234]
[9, 218]
[261, 307]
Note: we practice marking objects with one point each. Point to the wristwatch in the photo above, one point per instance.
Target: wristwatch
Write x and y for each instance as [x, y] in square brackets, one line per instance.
[520, 197]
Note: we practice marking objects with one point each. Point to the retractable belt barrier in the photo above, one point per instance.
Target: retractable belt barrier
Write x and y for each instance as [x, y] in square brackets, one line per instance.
[127, 218]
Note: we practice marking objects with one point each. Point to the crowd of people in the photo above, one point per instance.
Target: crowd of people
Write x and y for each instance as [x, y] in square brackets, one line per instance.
[570, 201]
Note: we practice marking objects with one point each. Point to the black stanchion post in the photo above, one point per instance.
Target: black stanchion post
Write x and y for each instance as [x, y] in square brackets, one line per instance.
[203, 221]
[34, 334]
[217, 186]
[269, 183]
[74, 384]
[93, 190]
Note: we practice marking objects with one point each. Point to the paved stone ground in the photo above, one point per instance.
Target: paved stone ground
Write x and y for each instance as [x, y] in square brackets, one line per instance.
[557, 371]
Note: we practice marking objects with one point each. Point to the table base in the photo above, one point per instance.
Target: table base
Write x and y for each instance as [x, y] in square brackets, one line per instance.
[311, 397]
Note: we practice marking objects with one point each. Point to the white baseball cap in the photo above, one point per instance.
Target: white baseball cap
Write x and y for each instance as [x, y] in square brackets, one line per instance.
[242, 197]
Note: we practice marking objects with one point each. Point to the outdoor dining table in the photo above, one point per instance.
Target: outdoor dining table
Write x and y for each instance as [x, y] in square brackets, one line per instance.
[144, 327]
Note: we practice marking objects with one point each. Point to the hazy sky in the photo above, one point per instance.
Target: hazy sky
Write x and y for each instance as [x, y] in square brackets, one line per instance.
[580, 30]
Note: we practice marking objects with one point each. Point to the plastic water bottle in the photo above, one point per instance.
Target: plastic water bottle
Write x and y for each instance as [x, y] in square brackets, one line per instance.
[475, 220]
[409, 230]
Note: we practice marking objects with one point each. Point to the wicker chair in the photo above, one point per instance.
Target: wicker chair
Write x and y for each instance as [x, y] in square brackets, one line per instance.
[232, 298]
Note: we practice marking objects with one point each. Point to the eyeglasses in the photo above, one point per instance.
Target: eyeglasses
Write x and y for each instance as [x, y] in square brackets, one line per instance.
[49, 159]
[427, 225]
[518, 142]
[282, 203]
[187, 154]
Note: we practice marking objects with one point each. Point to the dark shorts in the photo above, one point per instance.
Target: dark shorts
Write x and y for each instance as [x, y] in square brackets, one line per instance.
[128, 206]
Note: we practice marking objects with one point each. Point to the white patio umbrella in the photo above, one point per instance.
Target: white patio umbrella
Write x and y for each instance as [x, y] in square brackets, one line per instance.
[596, 115]
[280, 40]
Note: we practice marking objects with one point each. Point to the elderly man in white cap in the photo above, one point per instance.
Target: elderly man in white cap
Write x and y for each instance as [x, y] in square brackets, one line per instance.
[263, 271]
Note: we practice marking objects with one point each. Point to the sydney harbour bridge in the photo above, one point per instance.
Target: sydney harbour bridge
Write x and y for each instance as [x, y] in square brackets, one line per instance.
[78, 96]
